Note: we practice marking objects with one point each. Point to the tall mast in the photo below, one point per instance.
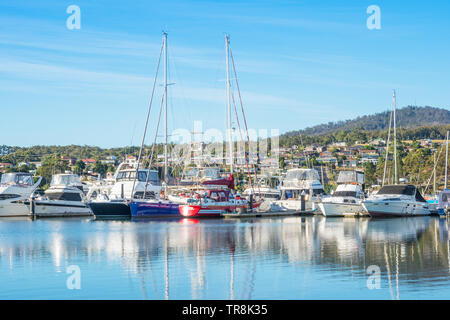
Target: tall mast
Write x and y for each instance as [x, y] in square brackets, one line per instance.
[165, 108]
[387, 149]
[395, 138]
[230, 136]
[446, 161]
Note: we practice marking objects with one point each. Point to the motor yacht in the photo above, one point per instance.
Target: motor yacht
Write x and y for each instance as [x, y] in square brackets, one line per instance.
[15, 189]
[298, 183]
[63, 198]
[346, 200]
[401, 200]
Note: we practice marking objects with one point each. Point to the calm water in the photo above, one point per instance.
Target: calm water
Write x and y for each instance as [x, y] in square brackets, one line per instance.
[282, 258]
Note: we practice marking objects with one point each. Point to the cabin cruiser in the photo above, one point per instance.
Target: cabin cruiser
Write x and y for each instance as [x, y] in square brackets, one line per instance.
[298, 183]
[125, 183]
[15, 189]
[346, 200]
[396, 200]
[64, 197]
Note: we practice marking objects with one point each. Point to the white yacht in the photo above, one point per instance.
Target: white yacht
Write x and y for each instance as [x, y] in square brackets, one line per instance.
[65, 197]
[397, 200]
[346, 200]
[125, 179]
[15, 189]
[299, 182]
[122, 186]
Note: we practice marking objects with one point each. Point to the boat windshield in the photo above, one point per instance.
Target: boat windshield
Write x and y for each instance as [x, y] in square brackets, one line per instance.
[189, 173]
[444, 198]
[302, 175]
[212, 173]
[17, 178]
[65, 180]
[142, 176]
[350, 176]
[408, 190]
[345, 194]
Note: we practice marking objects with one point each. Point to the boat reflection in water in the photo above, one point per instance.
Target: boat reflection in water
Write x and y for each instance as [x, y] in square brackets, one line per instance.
[283, 258]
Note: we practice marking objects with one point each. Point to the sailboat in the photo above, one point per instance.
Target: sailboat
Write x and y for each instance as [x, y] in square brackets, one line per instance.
[156, 207]
[218, 197]
[398, 199]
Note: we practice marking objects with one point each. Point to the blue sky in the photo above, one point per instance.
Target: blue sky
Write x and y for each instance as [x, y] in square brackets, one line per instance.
[299, 63]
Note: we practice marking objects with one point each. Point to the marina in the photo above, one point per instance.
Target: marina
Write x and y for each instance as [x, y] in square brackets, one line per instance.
[185, 150]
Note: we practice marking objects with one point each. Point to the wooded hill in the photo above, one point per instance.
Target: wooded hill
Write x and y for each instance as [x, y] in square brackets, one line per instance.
[407, 117]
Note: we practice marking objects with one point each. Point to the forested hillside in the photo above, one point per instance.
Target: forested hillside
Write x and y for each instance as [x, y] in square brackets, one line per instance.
[407, 117]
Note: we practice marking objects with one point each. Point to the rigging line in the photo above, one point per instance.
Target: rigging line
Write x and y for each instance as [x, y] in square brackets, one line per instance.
[434, 170]
[153, 147]
[243, 113]
[148, 116]
[242, 139]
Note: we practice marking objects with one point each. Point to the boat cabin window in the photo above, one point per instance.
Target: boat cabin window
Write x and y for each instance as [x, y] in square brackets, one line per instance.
[211, 173]
[444, 199]
[294, 194]
[419, 197]
[344, 194]
[318, 192]
[302, 175]
[15, 178]
[142, 176]
[408, 190]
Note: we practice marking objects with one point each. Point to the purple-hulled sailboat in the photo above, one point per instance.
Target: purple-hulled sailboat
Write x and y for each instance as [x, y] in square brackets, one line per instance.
[154, 209]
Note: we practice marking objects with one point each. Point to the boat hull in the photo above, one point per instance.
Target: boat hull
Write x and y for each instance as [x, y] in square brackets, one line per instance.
[330, 209]
[14, 209]
[154, 209]
[395, 209]
[192, 211]
[293, 205]
[110, 209]
[56, 208]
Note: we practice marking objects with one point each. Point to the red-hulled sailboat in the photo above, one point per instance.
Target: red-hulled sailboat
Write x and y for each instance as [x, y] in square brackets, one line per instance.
[214, 201]
[218, 198]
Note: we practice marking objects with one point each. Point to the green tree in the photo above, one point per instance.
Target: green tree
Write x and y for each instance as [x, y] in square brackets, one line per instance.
[79, 167]
[100, 168]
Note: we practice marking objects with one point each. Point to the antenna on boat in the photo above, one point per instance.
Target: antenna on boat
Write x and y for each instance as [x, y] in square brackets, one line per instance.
[230, 136]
